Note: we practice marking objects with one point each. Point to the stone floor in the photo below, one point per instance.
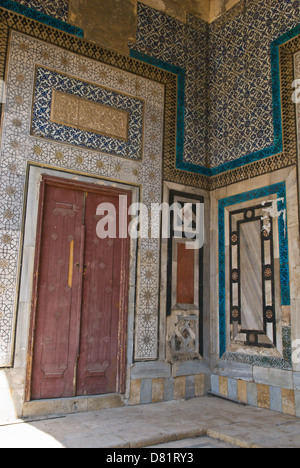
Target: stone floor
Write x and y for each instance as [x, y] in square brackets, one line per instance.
[157, 424]
[199, 442]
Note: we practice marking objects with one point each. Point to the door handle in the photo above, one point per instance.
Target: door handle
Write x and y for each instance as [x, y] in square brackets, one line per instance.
[71, 260]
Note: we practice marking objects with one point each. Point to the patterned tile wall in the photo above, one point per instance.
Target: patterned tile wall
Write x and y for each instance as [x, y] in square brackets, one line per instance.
[228, 96]
[19, 146]
[241, 110]
[183, 46]
[56, 8]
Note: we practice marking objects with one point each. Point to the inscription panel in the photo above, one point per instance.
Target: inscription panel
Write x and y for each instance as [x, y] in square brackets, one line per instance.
[89, 116]
[73, 110]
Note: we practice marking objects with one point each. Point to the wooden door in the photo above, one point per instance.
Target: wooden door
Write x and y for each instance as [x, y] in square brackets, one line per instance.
[101, 301]
[78, 329]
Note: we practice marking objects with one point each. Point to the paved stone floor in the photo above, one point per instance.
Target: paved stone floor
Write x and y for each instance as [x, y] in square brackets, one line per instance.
[157, 424]
[200, 442]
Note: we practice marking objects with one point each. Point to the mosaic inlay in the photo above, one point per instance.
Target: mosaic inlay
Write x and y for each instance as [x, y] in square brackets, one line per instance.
[70, 110]
[252, 299]
[51, 12]
[252, 338]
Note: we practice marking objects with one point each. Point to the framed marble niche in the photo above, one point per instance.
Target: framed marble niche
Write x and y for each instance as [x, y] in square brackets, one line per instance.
[254, 280]
[252, 277]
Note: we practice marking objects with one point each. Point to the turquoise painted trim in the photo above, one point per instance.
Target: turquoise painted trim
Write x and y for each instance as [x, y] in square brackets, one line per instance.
[280, 190]
[41, 17]
[276, 148]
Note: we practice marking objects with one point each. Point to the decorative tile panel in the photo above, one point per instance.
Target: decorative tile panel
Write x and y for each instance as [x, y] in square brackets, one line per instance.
[118, 130]
[240, 81]
[51, 12]
[96, 81]
[56, 8]
[184, 47]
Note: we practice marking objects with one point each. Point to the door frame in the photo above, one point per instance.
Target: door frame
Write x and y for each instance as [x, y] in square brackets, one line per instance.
[124, 290]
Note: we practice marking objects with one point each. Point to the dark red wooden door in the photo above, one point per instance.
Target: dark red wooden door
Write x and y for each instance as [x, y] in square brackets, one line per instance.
[98, 361]
[56, 318]
[79, 334]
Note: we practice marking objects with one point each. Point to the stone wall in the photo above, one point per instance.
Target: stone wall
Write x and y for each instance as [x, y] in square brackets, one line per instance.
[278, 396]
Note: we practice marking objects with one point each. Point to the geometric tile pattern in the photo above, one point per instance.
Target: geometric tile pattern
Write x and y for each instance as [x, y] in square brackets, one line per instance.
[14, 163]
[48, 81]
[146, 391]
[287, 45]
[54, 13]
[242, 117]
[145, 100]
[183, 46]
[56, 8]
[231, 110]
[252, 311]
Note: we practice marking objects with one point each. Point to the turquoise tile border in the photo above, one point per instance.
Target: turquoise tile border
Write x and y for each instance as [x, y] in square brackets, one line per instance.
[41, 17]
[276, 189]
[180, 73]
[276, 148]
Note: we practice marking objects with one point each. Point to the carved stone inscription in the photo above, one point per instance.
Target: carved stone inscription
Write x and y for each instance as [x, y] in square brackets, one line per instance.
[89, 116]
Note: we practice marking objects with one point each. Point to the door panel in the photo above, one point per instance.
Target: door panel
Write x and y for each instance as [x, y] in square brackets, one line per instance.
[99, 345]
[79, 323]
[54, 351]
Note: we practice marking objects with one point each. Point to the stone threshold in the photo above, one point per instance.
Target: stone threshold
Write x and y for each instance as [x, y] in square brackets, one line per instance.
[65, 406]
